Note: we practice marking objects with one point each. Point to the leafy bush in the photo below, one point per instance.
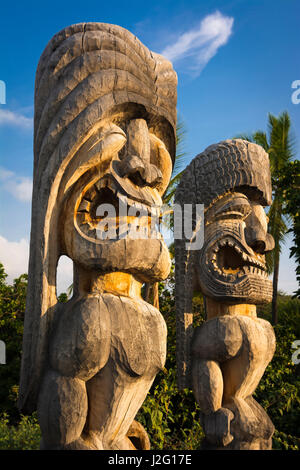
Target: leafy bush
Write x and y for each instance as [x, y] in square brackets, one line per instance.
[25, 436]
[279, 389]
[12, 308]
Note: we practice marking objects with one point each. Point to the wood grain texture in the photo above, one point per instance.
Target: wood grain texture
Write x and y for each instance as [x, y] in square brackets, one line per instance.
[104, 133]
[224, 359]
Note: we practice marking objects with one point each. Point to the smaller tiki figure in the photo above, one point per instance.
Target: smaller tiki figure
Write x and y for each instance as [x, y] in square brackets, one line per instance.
[224, 359]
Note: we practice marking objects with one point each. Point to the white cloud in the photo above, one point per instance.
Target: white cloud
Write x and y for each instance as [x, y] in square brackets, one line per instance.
[19, 186]
[23, 189]
[64, 274]
[197, 46]
[14, 257]
[15, 119]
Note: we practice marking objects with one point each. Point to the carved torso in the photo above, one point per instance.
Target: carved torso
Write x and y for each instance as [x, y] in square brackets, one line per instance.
[91, 329]
[243, 346]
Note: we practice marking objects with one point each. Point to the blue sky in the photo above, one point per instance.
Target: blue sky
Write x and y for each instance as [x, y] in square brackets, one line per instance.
[235, 60]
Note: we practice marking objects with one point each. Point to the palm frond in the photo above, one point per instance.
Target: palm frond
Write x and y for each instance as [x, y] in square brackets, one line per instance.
[282, 143]
[180, 158]
[70, 290]
[270, 262]
[180, 162]
[260, 138]
[248, 137]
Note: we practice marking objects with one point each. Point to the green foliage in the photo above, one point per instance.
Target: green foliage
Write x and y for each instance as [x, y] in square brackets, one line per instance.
[12, 308]
[289, 189]
[179, 164]
[25, 436]
[63, 297]
[279, 389]
[282, 441]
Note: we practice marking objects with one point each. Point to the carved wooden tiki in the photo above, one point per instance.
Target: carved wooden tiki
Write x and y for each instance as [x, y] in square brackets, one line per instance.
[224, 359]
[105, 117]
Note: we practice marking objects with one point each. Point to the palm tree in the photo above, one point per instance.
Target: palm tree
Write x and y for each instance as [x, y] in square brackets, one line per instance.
[279, 144]
[179, 164]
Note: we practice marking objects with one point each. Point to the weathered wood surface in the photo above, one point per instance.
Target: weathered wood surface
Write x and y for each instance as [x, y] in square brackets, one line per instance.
[104, 133]
[224, 359]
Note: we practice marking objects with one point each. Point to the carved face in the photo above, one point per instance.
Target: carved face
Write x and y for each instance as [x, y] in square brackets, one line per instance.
[231, 265]
[129, 169]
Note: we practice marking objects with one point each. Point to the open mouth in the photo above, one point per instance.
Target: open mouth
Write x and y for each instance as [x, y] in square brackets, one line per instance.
[105, 212]
[229, 259]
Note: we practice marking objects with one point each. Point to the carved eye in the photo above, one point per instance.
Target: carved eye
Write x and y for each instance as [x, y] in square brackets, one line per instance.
[238, 208]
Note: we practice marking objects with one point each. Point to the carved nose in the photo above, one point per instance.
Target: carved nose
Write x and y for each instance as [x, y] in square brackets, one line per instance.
[259, 241]
[141, 172]
[256, 233]
[270, 243]
[136, 163]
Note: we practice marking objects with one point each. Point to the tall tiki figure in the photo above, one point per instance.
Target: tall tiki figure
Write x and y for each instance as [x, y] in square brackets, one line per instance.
[224, 359]
[104, 138]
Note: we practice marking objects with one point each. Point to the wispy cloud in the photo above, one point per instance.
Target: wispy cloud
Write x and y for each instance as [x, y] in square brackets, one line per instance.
[198, 45]
[15, 119]
[19, 186]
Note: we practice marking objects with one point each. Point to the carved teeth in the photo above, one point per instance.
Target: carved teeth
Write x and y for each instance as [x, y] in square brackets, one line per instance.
[103, 183]
[84, 206]
[90, 194]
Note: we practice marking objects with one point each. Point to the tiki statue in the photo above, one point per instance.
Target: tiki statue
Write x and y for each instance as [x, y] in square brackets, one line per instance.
[224, 359]
[104, 136]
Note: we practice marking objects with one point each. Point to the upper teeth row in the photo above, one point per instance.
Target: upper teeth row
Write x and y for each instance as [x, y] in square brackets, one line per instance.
[244, 256]
[86, 201]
